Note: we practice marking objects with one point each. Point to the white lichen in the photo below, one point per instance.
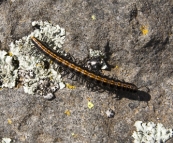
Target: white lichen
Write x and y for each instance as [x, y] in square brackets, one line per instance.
[151, 133]
[110, 113]
[97, 54]
[6, 140]
[8, 70]
[32, 66]
[48, 96]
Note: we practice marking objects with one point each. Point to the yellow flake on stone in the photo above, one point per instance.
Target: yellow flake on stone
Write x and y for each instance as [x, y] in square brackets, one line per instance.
[51, 62]
[9, 121]
[144, 30]
[90, 105]
[67, 112]
[93, 17]
[39, 64]
[10, 54]
[74, 135]
[116, 67]
[70, 86]
[51, 78]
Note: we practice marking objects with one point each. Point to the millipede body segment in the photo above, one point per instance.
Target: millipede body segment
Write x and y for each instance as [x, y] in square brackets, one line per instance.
[99, 80]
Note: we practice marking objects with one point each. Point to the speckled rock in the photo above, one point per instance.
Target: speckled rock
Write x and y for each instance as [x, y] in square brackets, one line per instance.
[137, 38]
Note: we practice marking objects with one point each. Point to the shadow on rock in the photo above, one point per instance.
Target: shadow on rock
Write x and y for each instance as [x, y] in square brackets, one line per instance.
[139, 95]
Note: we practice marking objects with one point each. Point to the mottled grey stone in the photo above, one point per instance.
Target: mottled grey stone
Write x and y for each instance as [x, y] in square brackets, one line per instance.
[145, 60]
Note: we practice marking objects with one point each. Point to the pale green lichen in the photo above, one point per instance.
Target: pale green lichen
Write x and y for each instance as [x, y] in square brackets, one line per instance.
[151, 133]
[8, 70]
[32, 63]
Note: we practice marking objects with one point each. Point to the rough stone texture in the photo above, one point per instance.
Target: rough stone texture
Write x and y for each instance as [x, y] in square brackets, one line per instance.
[144, 60]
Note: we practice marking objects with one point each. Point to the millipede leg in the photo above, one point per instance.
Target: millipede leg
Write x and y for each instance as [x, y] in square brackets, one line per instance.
[70, 76]
[92, 87]
[74, 78]
[63, 73]
[81, 79]
[71, 58]
[88, 86]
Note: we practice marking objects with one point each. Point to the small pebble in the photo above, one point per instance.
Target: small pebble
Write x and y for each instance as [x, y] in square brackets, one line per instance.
[110, 113]
[48, 96]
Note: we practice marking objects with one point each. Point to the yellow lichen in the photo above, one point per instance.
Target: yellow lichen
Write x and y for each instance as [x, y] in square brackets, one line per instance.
[116, 67]
[74, 135]
[39, 64]
[9, 121]
[144, 30]
[67, 112]
[51, 77]
[50, 62]
[70, 86]
[93, 17]
[10, 54]
[90, 105]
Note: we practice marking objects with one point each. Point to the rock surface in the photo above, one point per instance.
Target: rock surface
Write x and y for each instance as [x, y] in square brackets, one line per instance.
[137, 37]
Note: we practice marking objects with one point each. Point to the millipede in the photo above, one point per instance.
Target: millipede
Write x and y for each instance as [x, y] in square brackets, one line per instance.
[93, 78]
